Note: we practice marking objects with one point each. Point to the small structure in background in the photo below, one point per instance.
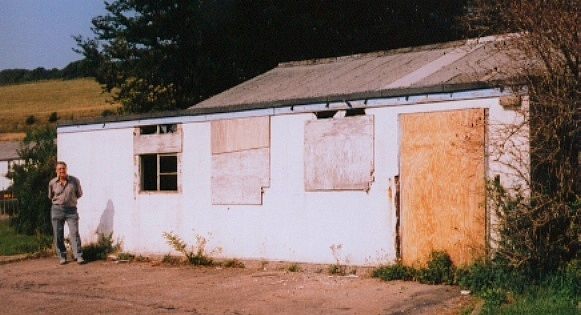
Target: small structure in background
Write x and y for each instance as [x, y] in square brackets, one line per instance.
[8, 157]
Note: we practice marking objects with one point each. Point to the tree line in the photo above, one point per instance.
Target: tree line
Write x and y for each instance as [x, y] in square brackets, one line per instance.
[75, 69]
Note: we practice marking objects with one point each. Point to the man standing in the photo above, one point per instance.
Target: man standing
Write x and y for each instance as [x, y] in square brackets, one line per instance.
[63, 191]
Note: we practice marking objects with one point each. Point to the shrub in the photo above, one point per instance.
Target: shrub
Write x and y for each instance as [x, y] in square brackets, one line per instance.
[394, 272]
[30, 181]
[53, 117]
[100, 249]
[440, 269]
[30, 120]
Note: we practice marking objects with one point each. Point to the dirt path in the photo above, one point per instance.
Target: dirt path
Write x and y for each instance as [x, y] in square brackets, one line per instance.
[41, 286]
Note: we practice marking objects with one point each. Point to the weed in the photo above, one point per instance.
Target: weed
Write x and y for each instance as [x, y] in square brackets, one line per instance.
[125, 256]
[294, 267]
[439, 270]
[395, 272]
[337, 267]
[172, 260]
[195, 254]
[233, 263]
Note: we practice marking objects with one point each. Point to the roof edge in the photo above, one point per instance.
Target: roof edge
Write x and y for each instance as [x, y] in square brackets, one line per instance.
[193, 111]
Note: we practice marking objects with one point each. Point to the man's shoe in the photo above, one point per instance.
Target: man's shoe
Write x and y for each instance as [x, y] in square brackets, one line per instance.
[63, 261]
[80, 261]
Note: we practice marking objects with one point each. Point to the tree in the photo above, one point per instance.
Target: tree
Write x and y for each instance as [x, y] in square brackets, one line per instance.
[165, 55]
[152, 52]
[30, 181]
[540, 228]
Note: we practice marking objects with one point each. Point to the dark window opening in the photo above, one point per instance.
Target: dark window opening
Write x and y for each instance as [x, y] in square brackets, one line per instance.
[159, 172]
[171, 128]
[326, 114]
[148, 130]
[158, 129]
[355, 112]
[149, 172]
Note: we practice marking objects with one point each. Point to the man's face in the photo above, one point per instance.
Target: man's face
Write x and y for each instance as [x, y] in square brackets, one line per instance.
[61, 171]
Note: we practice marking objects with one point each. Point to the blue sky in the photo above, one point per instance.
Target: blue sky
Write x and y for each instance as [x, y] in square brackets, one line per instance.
[38, 33]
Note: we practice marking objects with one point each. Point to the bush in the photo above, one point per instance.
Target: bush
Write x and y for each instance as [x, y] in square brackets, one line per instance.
[30, 181]
[440, 269]
[100, 249]
[53, 117]
[30, 120]
[395, 272]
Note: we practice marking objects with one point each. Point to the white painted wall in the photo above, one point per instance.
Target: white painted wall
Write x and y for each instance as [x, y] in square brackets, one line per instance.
[290, 225]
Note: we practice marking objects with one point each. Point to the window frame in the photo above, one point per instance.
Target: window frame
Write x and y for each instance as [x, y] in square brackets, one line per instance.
[159, 174]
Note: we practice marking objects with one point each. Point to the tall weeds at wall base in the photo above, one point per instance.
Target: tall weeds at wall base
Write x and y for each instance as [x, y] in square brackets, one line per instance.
[439, 270]
[195, 254]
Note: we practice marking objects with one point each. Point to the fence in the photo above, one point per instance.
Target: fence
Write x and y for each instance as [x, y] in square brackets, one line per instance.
[8, 206]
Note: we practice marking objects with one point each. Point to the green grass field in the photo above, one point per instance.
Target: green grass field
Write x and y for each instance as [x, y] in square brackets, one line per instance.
[68, 98]
[16, 244]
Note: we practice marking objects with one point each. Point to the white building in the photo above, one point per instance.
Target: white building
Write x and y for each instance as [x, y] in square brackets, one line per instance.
[361, 159]
[8, 156]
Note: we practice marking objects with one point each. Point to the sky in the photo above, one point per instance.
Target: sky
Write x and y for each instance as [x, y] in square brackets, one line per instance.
[38, 33]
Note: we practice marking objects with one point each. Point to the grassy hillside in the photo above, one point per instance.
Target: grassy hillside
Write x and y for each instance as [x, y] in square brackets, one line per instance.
[69, 99]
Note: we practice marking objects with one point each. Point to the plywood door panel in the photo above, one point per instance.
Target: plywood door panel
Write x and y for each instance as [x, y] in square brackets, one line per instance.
[442, 185]
[157, 143]
[233, 135]
[339, 153]
[238, 177]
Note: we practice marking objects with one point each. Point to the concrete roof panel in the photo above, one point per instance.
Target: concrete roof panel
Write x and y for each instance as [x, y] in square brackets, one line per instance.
[381, 73]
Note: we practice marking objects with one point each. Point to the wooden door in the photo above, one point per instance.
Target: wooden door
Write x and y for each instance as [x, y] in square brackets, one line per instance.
[442, 185]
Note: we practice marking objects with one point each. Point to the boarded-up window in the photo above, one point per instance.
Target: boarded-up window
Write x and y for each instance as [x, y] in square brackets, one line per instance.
[240, 160]
[442, 185]
[158, 139]
[339, 153]
[157, 147]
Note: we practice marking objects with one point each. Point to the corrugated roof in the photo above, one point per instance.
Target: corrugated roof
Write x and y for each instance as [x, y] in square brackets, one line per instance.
[438, 68]
[8, 150]
[435, 68]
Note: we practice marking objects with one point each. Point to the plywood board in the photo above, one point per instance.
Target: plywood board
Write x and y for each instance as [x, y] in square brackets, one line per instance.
[238, 177]
[442, 185]
[339, 153]
[232, 135]
[157, 143]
